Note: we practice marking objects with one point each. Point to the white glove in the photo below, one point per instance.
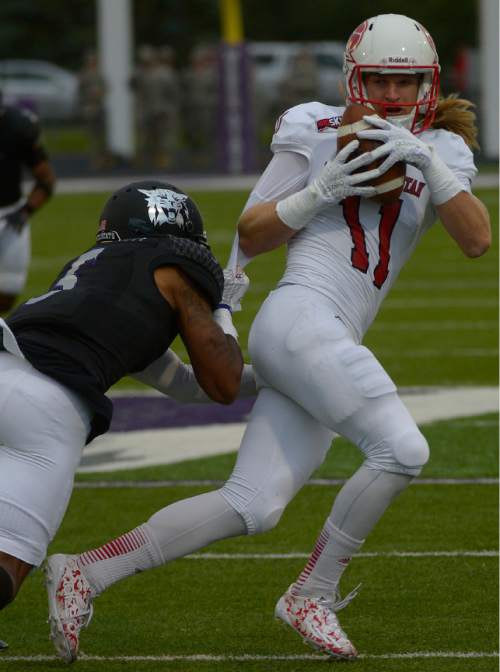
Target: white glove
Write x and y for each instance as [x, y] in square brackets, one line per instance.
[334, 182]
[236, 283]
[401, 145]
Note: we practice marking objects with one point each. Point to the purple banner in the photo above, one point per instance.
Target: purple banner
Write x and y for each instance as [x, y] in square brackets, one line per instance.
[154, 412]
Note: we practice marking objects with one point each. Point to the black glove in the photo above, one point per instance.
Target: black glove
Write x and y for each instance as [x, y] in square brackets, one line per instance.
[18, 219]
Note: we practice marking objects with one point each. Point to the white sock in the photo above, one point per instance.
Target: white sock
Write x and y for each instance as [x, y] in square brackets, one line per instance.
[328, 561]
[129, 554]
[190, 524]
[172, 532]
[364, 498]
[357, 508]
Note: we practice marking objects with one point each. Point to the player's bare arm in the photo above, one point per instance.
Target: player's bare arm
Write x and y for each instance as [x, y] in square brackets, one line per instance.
[467, 221]
[215, 356]
[261, 230]
[43, 187]
[268, 225]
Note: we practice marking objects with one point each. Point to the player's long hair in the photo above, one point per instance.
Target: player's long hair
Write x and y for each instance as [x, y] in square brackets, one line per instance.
[456, 115]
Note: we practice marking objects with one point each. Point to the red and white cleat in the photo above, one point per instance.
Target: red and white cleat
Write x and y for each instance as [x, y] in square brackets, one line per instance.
[70, 604]
[315, 620]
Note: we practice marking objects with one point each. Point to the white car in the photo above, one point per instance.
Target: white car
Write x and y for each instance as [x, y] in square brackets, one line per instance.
[47, 89]
[272, 62]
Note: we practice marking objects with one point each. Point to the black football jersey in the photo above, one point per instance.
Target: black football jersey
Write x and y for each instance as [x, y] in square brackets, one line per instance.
[19, 146]
[104, 317]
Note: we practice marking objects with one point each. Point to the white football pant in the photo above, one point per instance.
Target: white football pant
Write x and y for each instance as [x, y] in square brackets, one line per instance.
[316, 381]
[43, 429]
[15, 254]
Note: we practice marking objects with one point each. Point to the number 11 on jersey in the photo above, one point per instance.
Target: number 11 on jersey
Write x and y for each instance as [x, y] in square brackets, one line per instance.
[389, 214]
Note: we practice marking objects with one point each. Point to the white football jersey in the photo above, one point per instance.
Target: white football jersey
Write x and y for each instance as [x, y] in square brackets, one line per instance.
[352, 252]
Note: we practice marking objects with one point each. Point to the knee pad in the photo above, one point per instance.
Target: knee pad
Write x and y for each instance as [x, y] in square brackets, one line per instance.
[405, 453]
[265, 515]
[411, 450]
[261, 513]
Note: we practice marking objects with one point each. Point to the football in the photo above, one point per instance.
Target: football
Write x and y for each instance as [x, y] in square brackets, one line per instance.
[391, 183]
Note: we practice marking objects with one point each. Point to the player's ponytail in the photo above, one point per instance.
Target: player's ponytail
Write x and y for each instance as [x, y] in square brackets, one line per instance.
[456, 115]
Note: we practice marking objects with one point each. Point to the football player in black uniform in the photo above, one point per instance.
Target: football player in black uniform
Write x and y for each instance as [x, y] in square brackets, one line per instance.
[111, 311]
[20, 147]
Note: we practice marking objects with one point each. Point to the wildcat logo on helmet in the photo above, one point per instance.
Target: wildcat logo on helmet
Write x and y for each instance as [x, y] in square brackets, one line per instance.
[150, 208]
[166, 207]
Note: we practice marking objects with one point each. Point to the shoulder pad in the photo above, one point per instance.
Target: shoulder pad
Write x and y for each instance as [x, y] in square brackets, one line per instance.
[302, 127]
[24, 122]
[200, 264]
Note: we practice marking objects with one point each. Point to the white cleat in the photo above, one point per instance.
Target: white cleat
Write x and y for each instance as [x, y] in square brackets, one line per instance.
[315, 620]
[70, 604]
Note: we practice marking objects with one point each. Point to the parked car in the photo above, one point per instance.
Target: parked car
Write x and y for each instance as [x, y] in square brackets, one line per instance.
[45, 88]
[272, 63]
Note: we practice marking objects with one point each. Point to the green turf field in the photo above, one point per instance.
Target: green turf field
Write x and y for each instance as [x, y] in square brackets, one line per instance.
[429, 571]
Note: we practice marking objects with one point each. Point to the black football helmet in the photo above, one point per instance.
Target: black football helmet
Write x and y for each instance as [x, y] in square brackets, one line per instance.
[150, 208]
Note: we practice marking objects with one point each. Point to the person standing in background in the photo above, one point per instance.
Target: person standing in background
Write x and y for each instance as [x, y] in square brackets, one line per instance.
[200, 83]
[20, 148]
[156, 91]
[302, 81]
[92, 89]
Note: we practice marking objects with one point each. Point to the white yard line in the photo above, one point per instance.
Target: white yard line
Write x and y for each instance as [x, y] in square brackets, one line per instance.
[247, 657]
[365, 554]
[210, 482]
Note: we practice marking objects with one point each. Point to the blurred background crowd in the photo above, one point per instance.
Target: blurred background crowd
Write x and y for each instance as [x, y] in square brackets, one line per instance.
[175, 107]
[175, 80]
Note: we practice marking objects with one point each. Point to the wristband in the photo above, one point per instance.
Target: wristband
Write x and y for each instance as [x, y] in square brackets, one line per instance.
[222, 315]
[441, 181]
[298, 209]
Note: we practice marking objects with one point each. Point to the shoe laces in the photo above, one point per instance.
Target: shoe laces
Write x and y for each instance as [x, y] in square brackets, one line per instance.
[337, 602]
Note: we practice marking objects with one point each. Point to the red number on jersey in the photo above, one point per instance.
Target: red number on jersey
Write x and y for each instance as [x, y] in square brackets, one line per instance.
[389, 214]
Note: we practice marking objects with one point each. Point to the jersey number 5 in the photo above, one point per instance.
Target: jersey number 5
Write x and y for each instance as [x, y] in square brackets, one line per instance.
[70, 278]
[389, 214]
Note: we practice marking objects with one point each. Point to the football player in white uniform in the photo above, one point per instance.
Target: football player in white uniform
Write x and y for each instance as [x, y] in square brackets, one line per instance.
[344, 253]
[316, 379]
